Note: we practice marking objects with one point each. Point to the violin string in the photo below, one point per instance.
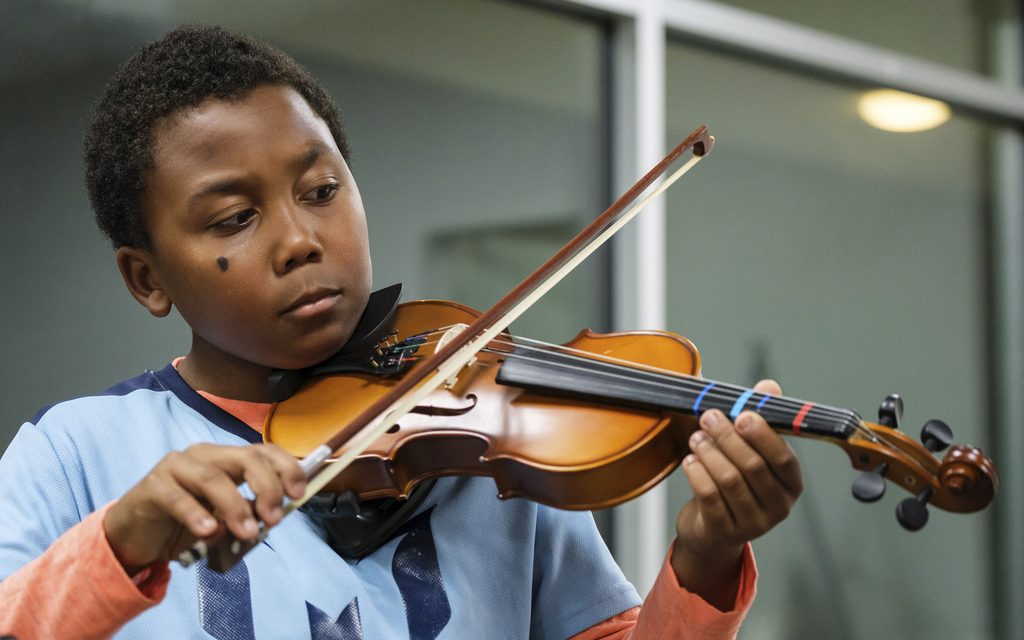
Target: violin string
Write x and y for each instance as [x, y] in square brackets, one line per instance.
[842, 416]
[675, 381]
[670, 379]
[690, 383]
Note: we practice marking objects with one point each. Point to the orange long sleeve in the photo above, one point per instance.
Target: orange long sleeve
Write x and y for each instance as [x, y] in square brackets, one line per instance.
[76, 588]
[671, 611]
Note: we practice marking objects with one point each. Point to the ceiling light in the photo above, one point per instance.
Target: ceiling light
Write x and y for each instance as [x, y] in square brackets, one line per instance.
[891, 110]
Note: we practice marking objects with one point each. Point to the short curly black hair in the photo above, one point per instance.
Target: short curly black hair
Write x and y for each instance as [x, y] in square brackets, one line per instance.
[176, 72]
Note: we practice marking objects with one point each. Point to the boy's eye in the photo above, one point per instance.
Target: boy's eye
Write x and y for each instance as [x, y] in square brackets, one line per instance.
[323, 194]
[236, 221]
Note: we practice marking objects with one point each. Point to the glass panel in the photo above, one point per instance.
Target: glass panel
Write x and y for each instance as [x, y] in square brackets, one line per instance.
[957, 33]
[848, 263]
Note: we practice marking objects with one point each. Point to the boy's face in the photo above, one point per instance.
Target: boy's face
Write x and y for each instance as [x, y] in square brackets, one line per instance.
[258, 230]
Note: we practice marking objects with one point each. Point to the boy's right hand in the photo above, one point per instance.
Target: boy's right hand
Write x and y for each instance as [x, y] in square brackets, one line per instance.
[191, 494]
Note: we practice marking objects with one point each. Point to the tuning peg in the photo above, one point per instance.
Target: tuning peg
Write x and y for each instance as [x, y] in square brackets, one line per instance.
[890, 412]
[936, 435]
[912, 513]
[869, 486]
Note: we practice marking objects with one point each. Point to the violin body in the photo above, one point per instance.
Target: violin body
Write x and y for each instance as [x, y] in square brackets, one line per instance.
[562, 451]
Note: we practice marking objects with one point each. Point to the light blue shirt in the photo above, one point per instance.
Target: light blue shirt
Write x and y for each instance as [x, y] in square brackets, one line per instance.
[465, 566]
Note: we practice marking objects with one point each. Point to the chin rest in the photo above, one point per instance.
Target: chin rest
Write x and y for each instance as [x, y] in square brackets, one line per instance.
[356, 529]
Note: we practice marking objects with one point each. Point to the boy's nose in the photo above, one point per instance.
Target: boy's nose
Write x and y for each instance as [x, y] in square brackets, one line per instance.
[297, 241]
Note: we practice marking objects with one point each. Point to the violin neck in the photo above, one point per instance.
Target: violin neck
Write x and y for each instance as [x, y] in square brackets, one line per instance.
[557, 374]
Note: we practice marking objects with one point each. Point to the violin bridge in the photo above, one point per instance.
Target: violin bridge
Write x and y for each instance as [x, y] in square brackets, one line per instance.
[448, 336]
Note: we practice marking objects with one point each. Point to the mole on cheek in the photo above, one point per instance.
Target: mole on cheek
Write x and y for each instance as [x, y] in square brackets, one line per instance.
[222, 262]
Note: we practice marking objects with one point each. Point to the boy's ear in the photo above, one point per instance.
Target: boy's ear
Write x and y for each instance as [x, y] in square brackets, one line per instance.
[143, 281]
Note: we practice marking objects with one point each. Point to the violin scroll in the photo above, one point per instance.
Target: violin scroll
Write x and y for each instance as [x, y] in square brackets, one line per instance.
[964, 481]
[968, 478]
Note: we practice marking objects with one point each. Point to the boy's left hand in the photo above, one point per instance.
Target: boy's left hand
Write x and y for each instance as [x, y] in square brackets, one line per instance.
[745, 480]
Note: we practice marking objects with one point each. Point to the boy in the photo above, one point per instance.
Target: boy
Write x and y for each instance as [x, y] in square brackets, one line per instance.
[218, 168]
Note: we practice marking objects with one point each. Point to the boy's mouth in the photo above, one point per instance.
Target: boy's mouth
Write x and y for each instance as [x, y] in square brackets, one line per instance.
[312, 302]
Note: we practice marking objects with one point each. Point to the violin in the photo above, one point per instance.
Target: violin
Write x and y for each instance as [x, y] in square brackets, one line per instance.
[588, 424]
[434, 388]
